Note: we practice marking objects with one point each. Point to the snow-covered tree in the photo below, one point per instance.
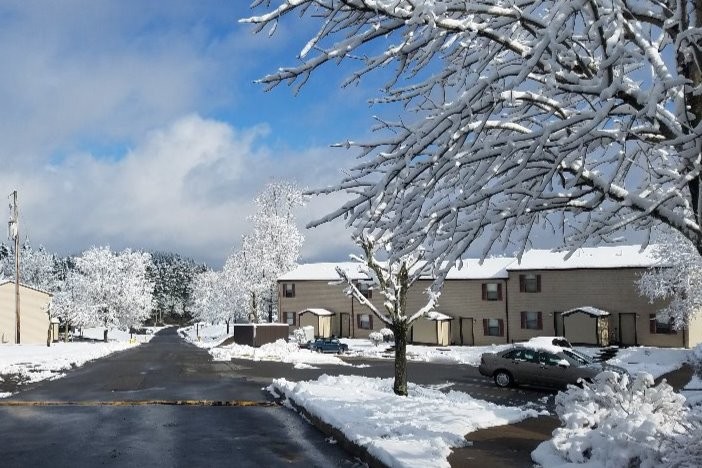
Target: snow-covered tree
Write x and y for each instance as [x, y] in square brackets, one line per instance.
[270, 250]
[38, 268]
[113, 289]
[392, 279]
[677, 279]
[582, 116]
[172, 276]
[216, 298]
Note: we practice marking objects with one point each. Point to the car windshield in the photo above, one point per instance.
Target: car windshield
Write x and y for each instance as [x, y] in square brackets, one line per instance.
[578, 357]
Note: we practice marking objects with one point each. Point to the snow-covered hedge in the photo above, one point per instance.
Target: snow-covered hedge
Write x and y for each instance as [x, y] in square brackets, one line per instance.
[617, 421]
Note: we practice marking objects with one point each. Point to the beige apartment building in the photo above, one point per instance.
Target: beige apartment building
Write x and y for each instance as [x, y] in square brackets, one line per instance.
[34, 314]
[590, 297]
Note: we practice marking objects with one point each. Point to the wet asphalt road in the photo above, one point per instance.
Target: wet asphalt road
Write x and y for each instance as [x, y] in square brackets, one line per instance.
[167, 368]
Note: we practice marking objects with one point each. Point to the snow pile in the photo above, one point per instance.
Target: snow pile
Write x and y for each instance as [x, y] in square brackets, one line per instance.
[414, 431]
[39, 362]
[210, 335]
[616, 421]
[279, 351]
[97, 333]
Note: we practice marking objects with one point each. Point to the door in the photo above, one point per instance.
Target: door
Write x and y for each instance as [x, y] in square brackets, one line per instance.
[467, 337]
[627, 329]
[344, 325]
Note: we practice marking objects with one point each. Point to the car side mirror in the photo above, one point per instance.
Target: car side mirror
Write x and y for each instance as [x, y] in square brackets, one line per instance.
[563, 363]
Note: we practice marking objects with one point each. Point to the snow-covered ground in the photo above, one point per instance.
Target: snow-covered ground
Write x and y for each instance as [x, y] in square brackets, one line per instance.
[655, 361]
[40, 362]
[205, 335]
[469, 355]
[414, 431]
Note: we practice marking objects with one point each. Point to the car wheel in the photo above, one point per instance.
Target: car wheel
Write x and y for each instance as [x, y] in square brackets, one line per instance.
[319, 350]
[503, 379]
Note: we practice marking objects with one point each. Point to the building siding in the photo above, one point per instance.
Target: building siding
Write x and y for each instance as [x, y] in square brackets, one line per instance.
[34, 325]
[612, 289]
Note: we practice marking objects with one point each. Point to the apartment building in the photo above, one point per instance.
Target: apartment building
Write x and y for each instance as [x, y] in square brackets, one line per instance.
[590, 297]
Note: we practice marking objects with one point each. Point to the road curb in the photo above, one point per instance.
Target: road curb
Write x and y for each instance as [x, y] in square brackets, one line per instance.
[344, 442]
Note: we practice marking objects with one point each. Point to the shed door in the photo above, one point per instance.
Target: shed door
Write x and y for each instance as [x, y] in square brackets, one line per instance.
[627, 329]
[467, 331]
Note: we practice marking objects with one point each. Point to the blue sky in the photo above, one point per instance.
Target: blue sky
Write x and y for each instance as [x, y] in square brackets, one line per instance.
[137, 124]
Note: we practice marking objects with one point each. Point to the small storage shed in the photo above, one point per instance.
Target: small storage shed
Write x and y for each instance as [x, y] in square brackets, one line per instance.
[434, 328]
[586, 325]
[34, 314]
[257, 334]
[320, 319]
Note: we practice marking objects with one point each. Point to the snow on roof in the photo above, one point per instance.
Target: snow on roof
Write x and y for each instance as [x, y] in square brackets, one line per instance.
[495, 267]
[4, 282]
[470, 269]
[589, 310]
[437, 316]
[324, 272]
[621, 256]
[317, 312]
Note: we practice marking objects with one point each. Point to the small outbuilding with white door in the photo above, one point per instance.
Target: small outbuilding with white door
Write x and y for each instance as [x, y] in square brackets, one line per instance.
[432, 329]
[586, 325]
[34, 314]
[320, 319]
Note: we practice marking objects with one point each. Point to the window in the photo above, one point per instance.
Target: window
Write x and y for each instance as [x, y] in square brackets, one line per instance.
[365, 290]
[530, 283]
[288, 289]
[549, 359]
[365, 321]
[492, 292]
[493, 327]
[532, 321]
[289, 318]
[660, 326]
[526, 355]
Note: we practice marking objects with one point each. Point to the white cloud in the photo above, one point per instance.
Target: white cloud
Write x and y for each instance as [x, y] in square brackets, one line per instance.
[187, 188]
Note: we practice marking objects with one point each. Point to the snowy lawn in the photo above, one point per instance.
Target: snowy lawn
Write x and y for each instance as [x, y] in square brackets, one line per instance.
[414, 431]
[279, 351]
[469, 355]
[212, 335]
[655, 361]
[39, 362]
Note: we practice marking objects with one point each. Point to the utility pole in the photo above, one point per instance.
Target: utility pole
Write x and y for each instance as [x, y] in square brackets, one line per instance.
[13, 231]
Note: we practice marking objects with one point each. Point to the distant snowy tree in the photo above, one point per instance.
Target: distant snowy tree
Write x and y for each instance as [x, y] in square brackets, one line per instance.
[271, 249]
[215, 300]
[582, 116]
[38, 268]
[678, 279]
[392, 279]
[172, 276]
[618, 421]
[114, 287]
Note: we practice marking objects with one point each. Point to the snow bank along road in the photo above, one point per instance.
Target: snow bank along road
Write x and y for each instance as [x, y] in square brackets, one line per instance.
[111, 413]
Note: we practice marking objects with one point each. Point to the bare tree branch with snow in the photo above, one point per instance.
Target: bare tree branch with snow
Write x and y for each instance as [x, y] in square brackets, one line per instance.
[582, 115]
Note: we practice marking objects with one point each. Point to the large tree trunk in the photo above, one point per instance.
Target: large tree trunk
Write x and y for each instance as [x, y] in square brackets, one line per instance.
[400, 385]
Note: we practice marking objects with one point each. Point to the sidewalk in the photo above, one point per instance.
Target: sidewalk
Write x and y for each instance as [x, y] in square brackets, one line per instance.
[512, 445]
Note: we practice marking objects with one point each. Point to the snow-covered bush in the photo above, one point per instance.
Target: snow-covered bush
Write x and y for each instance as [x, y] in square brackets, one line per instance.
[388, 335]
[616, 421]
[300, 336]
[376, 338]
